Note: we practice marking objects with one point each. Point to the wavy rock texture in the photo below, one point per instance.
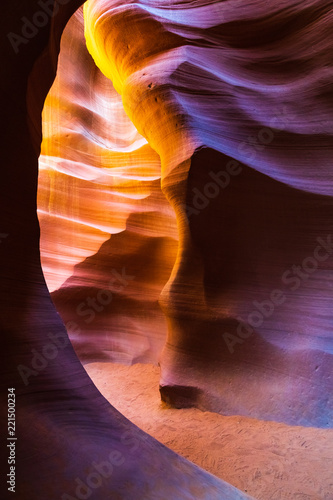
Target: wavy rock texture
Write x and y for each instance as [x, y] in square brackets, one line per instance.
[72, 443]
[236, 99]
[99, 198]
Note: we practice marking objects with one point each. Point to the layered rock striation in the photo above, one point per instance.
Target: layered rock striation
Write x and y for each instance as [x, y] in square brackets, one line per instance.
[72, 443]
[236, 99]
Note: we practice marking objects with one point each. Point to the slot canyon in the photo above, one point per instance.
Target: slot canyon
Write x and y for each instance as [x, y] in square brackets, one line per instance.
[166, 250]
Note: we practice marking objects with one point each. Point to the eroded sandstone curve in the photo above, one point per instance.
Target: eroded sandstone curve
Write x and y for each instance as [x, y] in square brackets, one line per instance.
[102, 214]
[249, 79]
[65, 427]
[236, 99]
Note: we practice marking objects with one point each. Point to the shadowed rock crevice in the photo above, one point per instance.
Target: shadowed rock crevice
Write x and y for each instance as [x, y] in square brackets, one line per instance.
[180, 396]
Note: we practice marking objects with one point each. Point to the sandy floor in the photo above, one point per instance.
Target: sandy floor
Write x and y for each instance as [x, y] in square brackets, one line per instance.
[270, 461]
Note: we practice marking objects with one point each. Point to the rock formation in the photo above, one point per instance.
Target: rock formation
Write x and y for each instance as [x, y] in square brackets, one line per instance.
[242, 98]
[232, 104]
[70, 442]
[98, 177]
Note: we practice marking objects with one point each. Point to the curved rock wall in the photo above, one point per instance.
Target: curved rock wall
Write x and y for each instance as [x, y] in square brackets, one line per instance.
[72, 442]
[242, 98]
[235, 98]
[108, 235]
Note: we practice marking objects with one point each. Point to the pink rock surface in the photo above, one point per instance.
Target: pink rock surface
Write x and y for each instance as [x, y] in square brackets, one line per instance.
[244, 135]
[72, 442]
[232, 110]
